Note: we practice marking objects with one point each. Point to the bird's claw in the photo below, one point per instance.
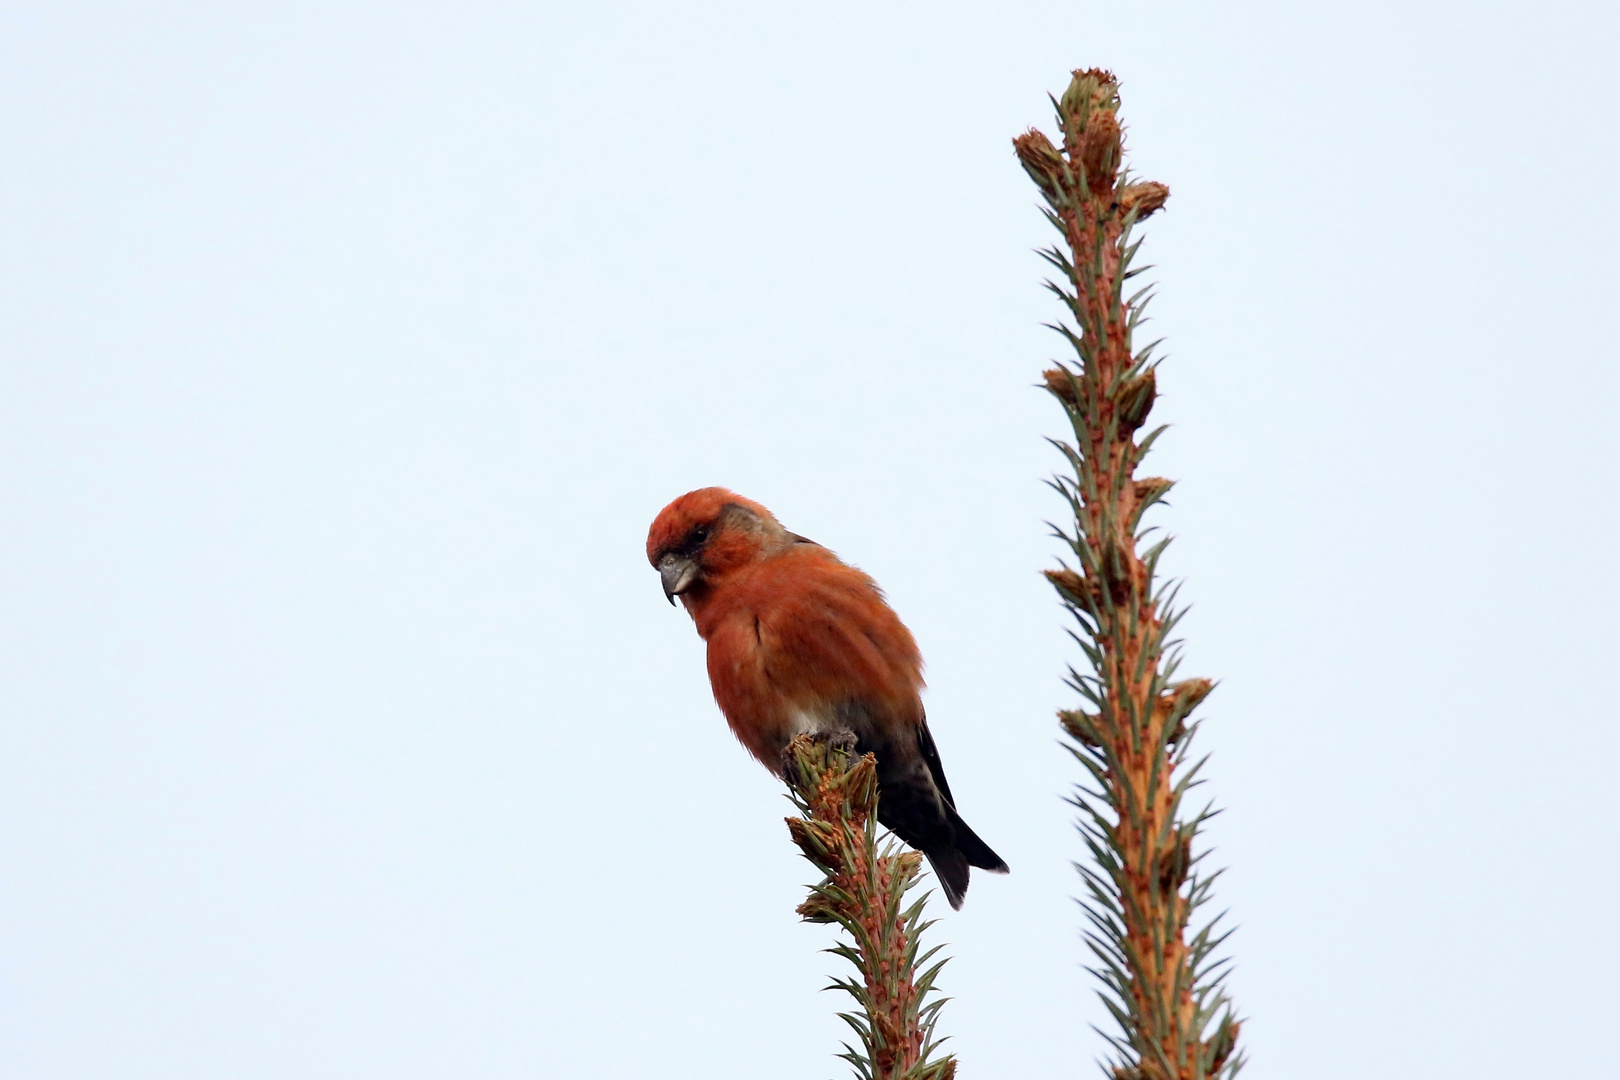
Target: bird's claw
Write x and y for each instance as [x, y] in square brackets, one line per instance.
[834, 739]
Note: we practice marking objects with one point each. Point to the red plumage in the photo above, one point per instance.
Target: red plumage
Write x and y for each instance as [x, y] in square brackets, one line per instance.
[800, 641]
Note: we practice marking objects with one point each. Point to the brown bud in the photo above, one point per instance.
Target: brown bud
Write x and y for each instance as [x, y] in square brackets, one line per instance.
[1221, 1045]
[1101, 150]
[1149, 486]
[1074, 588]
[1117, 577]
[1061, 385]
[1173, 866]
[1136, 401]
[1145, 198]
[1080, 726]
[817, 910]
[1039, 158]
[1179, 700]
[813, 838]
[1088, 90]
[1185, 696]
[861, 783]
[1146, 491]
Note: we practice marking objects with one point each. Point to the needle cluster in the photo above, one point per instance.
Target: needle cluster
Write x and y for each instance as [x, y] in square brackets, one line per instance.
[863, 892]
[1144, 883]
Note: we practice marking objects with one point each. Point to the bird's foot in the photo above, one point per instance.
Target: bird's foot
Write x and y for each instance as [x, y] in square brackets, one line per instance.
[834, 739]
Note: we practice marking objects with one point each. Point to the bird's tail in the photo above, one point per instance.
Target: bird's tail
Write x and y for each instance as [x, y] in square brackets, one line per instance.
[951, 863]
[951, 868]
[976, 851]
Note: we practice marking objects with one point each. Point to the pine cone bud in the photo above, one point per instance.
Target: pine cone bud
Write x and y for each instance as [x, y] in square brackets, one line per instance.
[1116, 571]
[1136, 401]
[1179, 700]
[1081, 726]
[1040, 159]
[1088, 90]
[1144, 197]
[817, 910]
[1220, 1047]
[1101, 150]
[1187, 695]
[1072, 587]
[1174, 865]
[1061, 385]
[1150, 486]
[813, 838]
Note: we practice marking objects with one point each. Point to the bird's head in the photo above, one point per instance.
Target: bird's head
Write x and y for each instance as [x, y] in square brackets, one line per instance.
[706, 534]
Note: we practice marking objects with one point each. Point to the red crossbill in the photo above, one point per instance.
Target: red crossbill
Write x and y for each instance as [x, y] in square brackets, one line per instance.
[800, 642]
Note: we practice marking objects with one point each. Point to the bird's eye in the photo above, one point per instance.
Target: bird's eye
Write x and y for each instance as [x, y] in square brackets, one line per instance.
[700, 534]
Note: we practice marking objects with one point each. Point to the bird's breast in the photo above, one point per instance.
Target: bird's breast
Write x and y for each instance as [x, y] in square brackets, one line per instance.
[805, 644]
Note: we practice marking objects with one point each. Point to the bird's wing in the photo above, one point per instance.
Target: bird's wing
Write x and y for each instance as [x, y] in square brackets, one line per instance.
[826, 635]
[930, 754]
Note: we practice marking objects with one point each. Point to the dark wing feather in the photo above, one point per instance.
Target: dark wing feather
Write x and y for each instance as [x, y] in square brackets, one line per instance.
[930, 754]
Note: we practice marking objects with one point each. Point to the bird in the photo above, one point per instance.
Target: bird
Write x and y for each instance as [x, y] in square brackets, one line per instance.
[801, 642]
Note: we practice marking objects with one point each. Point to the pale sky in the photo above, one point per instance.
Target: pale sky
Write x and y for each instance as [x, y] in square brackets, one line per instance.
[349, 350]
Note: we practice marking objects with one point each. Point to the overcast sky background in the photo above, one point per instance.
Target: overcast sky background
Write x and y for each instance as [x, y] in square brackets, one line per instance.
[348, 351]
